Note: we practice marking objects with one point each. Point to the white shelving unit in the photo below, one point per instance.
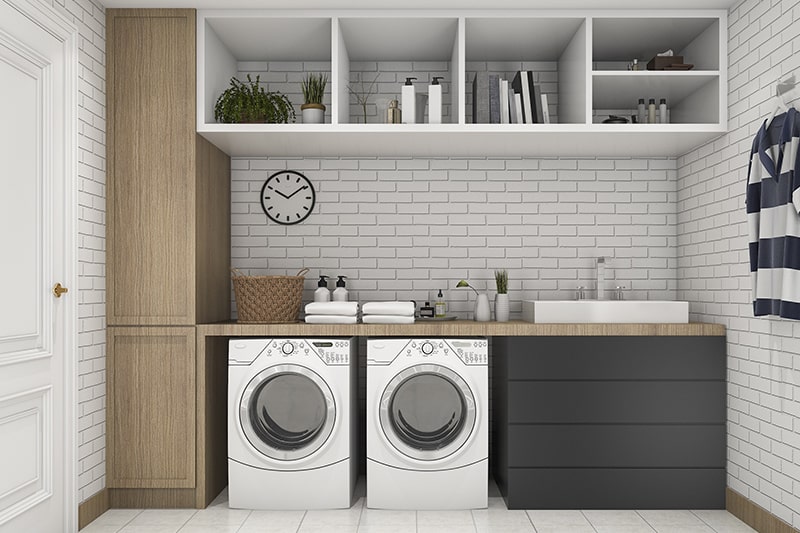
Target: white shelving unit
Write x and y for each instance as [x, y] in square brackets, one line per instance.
[579, 56]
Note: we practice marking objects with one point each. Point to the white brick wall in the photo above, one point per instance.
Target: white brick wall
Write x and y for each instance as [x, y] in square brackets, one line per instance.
[713, 268]
[89, 17]
[404, 228]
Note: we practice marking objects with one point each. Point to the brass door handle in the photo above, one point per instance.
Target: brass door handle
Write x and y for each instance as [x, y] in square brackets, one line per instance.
[58, 290]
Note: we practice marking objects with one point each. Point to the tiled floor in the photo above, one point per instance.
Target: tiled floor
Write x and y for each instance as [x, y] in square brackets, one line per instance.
[218, 518]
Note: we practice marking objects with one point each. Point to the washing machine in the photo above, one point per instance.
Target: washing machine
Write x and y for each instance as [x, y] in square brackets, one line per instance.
[427, 423]
[292, 423]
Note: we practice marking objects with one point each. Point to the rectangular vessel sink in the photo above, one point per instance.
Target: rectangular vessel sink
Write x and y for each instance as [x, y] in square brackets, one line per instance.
[605, 312]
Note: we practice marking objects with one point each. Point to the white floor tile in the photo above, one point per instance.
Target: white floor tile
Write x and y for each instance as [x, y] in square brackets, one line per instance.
[328, 528]
[669, 517]
[557, 518]
[445, 528]
[722, 521]
[116, 517]
[332, 517]
[150, 529]
[684, 529]
[387, 517]
[604, 518]
[565, 529]
[505, 528]
[92, 528]
[162, 517]
[218, 528]
[444, 518]
[278, 520]
[218, 516]
[388, 528]
[639, 528]
[496, 517]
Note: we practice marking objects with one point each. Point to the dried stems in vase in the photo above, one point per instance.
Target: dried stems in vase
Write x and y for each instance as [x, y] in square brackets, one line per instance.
[362, 95]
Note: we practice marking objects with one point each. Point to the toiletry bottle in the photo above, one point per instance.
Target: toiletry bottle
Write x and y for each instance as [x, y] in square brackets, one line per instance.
[322, 294]
[393, 113]
[435, 101]
[409, 102]
[426, 311]
[340, 294]
[662, 111]
[641, 114]
[651, 111]
[440, 308]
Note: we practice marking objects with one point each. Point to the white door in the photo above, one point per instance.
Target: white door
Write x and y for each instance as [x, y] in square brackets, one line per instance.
[37, 169]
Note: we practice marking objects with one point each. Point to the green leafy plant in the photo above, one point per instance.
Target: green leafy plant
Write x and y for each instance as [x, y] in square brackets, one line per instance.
[463, 283]
[249, 102]
[363, 94]
[313, 87]
[501, 279]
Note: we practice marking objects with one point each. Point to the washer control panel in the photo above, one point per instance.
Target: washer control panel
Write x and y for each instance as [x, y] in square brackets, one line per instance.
[331, 351]
[470, 351]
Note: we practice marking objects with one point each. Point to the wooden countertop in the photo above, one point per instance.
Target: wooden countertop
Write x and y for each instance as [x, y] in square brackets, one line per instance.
[457, 328]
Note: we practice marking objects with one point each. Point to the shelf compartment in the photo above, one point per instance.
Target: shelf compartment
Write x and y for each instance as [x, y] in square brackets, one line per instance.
[692, 96]
[372, 47]
[553, 48]
[279, 49]
[621, 39]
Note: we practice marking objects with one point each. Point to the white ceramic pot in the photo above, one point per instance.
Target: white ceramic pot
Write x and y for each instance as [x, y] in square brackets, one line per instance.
[501, 308]
[482, 311]
[313, 113]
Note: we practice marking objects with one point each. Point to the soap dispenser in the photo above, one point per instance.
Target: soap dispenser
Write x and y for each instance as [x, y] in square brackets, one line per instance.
[408, 102]
[340, 294]
[435, 101]
[440, 307]
[322, 294]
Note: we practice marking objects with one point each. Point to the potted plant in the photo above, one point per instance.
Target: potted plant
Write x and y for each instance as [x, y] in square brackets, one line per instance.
[501, 300]
[249, 102]
[313, 87]
[482, 311]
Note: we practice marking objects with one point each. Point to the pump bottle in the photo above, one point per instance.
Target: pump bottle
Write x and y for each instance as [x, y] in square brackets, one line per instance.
[435, 101]
[340, 294]
[322, 294]
[440, 306]
[408, 102]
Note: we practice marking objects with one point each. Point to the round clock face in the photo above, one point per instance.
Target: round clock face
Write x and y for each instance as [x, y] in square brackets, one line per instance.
[287, 197]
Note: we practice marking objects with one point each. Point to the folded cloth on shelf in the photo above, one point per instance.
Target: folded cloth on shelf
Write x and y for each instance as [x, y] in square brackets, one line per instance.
[387, 319]
[332, 308]
[388, 308]
[331, 319]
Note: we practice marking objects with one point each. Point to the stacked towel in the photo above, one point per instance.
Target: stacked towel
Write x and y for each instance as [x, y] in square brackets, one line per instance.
[388, 313]
[332, 313]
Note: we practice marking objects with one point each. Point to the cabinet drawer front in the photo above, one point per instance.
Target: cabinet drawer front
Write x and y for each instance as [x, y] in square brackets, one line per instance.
[608, 488]
[614, 446]
[678, 358]
[616, 402]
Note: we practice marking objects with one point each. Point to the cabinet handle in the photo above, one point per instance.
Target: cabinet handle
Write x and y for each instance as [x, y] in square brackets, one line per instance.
[58, 290]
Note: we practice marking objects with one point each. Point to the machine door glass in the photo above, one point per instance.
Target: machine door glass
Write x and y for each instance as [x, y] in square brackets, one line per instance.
[427, 412]
[287, 412]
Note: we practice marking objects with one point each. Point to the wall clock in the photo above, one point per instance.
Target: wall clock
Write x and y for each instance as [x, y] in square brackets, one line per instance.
[287, 197]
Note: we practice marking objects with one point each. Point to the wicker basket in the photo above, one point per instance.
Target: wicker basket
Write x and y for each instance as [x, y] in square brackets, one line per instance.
[268, 299]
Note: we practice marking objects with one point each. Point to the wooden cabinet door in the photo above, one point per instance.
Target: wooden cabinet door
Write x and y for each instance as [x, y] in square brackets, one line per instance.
[151, 166]
[151, 407]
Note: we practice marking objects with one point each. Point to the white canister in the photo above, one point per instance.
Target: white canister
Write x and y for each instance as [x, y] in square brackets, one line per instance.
[482, 311]
[501, 310]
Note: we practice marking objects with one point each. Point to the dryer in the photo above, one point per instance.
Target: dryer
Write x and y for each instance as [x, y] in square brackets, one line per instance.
[292, 423]
[427, 423]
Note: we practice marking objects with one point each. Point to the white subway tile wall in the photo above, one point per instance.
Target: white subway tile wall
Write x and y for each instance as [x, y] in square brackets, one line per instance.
[405, 228]
[713, 265]
[90, 19]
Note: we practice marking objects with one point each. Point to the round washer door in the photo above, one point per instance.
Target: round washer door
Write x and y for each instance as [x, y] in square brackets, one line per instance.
[427, 412]
[287, 412]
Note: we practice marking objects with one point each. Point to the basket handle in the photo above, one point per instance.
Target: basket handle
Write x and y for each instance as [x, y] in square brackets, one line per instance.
[302, 272]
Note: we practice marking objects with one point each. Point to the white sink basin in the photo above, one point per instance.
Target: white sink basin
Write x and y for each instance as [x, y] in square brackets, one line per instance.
[605, 312]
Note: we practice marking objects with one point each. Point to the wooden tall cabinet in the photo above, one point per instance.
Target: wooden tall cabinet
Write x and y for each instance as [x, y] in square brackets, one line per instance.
[168, 254]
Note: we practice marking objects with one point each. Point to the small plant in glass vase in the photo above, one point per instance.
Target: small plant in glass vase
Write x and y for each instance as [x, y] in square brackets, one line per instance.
[501, 311]
[313, 87]
[249, 102]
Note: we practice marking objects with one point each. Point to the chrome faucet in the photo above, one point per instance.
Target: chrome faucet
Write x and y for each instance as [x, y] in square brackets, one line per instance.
[618, 294]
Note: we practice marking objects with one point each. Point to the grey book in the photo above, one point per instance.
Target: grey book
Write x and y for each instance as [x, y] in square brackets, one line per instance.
[480, 98]
[494, 99]
[539, 112]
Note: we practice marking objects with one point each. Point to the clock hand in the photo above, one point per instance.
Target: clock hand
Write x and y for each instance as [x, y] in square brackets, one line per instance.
[297, 191]
[279, 192]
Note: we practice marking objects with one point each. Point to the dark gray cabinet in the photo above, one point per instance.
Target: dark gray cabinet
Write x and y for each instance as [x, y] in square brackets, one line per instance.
[609, 422]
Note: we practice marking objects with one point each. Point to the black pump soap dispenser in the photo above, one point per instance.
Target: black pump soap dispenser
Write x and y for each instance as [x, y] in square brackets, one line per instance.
[340, 294]
[408, 102]
[322, 294]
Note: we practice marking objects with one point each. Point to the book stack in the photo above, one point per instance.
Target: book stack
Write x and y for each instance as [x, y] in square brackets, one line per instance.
[497, 101]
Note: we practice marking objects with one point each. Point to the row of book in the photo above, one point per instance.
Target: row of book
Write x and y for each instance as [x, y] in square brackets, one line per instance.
[497, 101]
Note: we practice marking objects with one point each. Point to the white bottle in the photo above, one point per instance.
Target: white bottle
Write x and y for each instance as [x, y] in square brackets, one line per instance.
[435, 101]
[662, 111]
[340, 294]
[322, 294]
[601, 278]
[408, 103]
[651, 111]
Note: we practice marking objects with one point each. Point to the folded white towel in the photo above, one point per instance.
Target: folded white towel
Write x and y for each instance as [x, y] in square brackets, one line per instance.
[332, 308]
[387, 319]
[331, 319]
[388, 308]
